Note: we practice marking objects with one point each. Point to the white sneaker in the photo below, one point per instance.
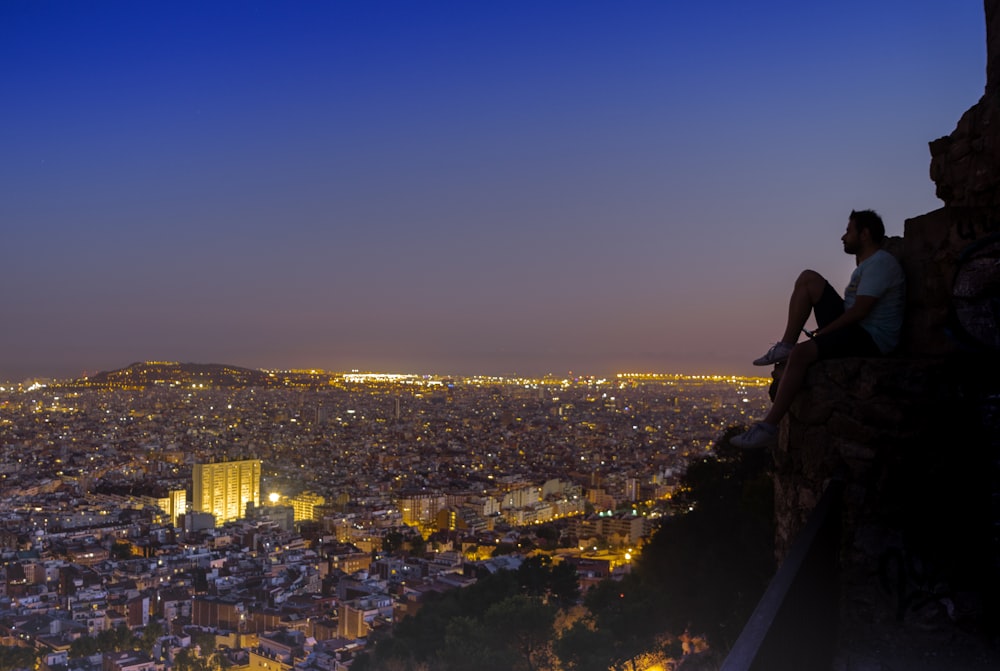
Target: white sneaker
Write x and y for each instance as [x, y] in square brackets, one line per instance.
[759, 435]
[779, 352]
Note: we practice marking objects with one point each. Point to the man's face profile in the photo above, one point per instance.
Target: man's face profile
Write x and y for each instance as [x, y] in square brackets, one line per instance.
[851, 238]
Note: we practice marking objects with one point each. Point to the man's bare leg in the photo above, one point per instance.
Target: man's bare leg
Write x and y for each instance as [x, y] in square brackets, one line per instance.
[808, 290]
[803, 355]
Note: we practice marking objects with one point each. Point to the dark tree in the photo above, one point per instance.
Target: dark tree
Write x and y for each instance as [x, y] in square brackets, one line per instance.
[16, 657]
[581, 648]
[709, 566]
[522, 627]
[564, 584]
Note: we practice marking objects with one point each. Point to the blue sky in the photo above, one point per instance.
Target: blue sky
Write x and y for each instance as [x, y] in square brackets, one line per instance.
[452, 187]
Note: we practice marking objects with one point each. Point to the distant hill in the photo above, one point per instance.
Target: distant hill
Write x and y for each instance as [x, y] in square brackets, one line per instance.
[147, 374]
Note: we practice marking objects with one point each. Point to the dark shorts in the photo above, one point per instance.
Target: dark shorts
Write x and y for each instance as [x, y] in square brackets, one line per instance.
[852, 340]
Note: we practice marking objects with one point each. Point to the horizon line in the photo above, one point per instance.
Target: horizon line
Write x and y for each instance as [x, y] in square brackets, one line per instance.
[569, 375]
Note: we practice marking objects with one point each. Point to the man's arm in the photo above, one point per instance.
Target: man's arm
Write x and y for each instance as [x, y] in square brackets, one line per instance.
[862, 306]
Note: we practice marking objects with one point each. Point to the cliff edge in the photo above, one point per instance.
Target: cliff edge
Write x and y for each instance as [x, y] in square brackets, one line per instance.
[916, 436]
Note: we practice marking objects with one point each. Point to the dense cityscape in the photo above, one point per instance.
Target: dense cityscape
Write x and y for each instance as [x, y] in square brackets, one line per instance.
[288, 515]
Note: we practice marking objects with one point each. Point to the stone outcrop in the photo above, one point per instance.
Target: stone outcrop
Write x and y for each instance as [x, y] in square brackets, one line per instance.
[954, 253]
[952, 261]
[916, 436]
[901, 431]
[965, 165]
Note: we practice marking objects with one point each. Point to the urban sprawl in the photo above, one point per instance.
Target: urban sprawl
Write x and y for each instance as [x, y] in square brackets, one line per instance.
[290, 514]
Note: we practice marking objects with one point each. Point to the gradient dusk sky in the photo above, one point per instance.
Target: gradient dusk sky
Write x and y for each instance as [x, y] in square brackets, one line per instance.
[478, 187]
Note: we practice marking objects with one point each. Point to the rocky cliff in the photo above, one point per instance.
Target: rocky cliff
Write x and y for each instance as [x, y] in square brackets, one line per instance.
[917, 435]
[965, 165]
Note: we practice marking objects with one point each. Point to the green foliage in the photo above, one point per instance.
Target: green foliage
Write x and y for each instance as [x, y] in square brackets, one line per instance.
[153, 631]
[533, 574]
[118, 639]
[520, 628]
[581, 648]
[209, 660]
[466, 647]
[564, 584]
[13, 658]
[417, 546]
[205, 640]
[85, 646]
[620, 627]
[708, 567]
[702, 572]
[121, 550]
[184, 660]
[500, 622]
[110, 640]
[547, 537]
[512, 635]
[504, 549]
[392, 542]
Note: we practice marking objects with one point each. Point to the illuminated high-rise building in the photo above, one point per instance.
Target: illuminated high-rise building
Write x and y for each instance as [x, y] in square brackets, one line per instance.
[224, 489]
[173, 502]
[305, 505]
[420, 508]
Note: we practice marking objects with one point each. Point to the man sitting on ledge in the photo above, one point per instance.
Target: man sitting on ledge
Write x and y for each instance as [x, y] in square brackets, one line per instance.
[866, 322]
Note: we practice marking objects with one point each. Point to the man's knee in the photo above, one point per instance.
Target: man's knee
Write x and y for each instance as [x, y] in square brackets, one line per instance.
[811, 282]
[810, 277]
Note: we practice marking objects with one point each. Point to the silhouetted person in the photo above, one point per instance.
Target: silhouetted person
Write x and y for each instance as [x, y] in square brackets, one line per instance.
[866, 322]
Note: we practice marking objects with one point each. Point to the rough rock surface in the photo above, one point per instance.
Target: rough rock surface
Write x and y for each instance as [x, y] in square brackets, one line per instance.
[917, 435]
[965, 165]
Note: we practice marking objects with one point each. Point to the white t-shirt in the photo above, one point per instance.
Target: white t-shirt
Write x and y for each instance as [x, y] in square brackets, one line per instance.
[880, 276]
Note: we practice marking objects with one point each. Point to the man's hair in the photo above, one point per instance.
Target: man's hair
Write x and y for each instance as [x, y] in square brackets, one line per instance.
[869, 219]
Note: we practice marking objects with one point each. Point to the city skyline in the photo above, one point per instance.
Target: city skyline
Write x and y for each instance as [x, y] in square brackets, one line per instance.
[450, 188]
[246, 512]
